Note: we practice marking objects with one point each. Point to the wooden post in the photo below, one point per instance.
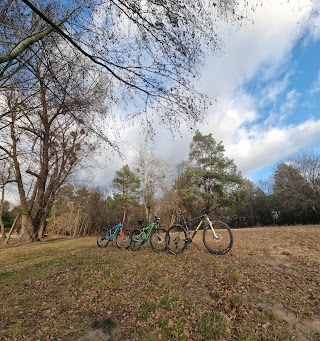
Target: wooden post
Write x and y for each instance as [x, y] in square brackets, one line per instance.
[12, 227]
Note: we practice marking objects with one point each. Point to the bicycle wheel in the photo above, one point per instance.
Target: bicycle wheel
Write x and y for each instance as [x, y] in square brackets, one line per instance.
[135, 240]
[158, 239]
[220, 241]
[123, 238]
[176, 238]
[103, 237]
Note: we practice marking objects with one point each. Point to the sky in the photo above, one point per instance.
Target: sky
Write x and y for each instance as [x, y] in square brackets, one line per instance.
[267, 89]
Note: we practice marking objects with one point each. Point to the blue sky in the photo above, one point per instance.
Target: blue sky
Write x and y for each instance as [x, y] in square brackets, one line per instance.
[267, 89]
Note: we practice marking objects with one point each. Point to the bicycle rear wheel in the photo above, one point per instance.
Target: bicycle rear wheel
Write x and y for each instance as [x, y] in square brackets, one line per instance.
[176, 238]
[220, 241]
[136, 240]
[158, 239]
[123, 239]
[103, 237]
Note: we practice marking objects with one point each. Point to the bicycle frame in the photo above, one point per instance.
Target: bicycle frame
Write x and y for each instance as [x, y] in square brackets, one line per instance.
[203, 218]
[114, 230]
[146, 232]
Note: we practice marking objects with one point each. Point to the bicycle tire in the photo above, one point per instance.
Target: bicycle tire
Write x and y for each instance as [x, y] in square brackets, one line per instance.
[123, 240]
[103, 237]
[176, 239]
[158, 239]
[136, 241]
[221, 245]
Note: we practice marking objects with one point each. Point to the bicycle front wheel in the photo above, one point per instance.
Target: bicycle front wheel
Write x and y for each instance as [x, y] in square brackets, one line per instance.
[123, 239]
[103, 237]
[176, 238]
[136, 240]
[158, 239]
[220, 240]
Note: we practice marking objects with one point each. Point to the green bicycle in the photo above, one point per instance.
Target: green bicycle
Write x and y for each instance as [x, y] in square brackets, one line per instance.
[153, 232]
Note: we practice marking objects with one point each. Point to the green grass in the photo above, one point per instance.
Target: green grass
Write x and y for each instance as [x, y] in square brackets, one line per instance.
[146, 308]
[211, 326]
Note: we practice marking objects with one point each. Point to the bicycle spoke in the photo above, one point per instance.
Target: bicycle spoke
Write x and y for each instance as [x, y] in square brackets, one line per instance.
[103, 237]
[123, 239]
[136, 240]
[176, 239]
[219, 240]
[158, 239]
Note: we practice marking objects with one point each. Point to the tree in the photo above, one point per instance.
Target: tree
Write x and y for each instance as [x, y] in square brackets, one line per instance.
[5, 179]
[47, 121]
[297, 184]
[126, 183]
[212, 176]
[150, 50]
[309, 165]
[84, 209]
[244, 213]
[152, 171]
[256, 208]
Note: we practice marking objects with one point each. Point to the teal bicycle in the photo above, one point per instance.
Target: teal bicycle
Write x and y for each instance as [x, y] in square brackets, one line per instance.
[117, 233]
[153, 232]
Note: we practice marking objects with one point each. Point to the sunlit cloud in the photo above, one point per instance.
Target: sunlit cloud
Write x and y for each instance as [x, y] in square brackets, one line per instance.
[260, 124]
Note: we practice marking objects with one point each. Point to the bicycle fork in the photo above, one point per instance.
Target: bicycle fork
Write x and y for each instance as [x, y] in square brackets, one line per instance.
[216, 235]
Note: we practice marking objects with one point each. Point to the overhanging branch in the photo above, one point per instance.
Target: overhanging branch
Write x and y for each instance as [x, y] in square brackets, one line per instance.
[25, 43]
[78, 47]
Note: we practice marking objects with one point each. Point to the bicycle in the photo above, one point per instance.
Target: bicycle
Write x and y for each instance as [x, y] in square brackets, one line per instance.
[217, 236]
[121, 235]
[153, 232]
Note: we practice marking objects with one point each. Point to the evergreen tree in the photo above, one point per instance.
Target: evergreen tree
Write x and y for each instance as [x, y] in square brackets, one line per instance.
[212, 176]
[126, 183]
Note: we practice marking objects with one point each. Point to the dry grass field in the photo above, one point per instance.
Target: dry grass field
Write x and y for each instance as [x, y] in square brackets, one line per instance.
[266, 288]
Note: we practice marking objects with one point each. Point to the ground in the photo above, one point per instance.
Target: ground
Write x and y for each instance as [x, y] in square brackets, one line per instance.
[266, 288]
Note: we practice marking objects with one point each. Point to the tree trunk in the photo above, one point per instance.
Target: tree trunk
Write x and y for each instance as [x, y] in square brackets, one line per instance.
[26, 228]
[3, 232]
[147, 213]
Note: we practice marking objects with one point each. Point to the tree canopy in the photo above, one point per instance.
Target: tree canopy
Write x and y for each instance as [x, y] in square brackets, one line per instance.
[211, 174]
[150, 51]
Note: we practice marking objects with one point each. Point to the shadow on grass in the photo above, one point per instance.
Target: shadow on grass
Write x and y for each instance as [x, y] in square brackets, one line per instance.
[106, 329]
[54, 240]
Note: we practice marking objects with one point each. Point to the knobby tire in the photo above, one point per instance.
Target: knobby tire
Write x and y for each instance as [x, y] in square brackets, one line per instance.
[176, 239]
[158, 239]
[222, 244]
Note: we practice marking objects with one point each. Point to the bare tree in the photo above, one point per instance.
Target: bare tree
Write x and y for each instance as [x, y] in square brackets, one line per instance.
[151, 50]
[5, 178]
[152, 171]
[309, 165]
[46, 132]
[297, 185]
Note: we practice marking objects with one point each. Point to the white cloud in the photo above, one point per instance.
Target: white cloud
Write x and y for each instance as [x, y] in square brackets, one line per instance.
[261, 50]
[264, 147]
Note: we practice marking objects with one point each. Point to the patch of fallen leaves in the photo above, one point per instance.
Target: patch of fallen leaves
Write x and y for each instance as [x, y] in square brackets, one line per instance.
[156, 296]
